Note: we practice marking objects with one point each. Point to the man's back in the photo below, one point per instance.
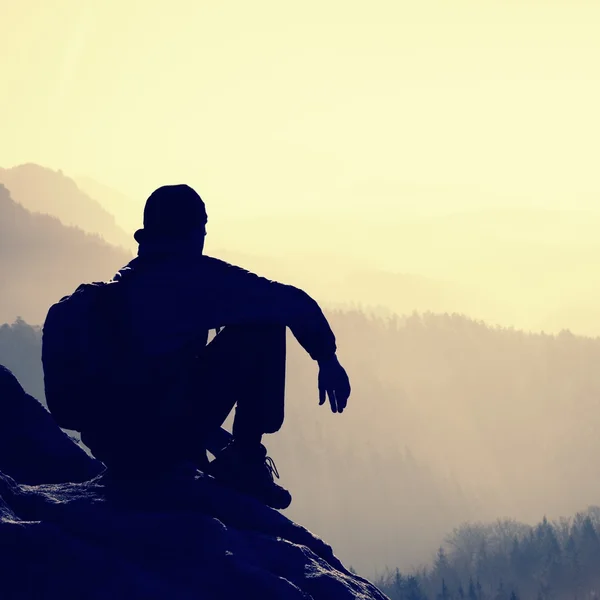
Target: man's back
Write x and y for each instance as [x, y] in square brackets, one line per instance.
[177, 294]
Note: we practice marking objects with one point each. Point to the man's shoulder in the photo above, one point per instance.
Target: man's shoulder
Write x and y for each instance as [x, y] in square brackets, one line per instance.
[212, 261]
[220, 265]
[197, 267]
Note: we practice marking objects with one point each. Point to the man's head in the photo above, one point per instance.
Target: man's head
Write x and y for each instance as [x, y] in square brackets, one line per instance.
[173, 213]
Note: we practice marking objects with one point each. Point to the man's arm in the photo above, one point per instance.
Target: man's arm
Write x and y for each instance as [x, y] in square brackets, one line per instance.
[239, 296]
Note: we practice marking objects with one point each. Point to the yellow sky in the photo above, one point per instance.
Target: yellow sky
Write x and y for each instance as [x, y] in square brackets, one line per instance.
[314, 106]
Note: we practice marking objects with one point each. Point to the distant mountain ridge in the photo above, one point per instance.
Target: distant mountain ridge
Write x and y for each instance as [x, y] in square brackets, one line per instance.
[127, 212]
[529, 267]
[41, 260]
[43, 190]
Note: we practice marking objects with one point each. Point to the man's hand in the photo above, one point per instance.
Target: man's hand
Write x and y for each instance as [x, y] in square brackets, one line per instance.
[334, 383]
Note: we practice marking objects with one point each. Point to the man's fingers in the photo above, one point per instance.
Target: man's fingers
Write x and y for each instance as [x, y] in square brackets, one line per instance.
[321, 396]
[342, 396]
[332, 399]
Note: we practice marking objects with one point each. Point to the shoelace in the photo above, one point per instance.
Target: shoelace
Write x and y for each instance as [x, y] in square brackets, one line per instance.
[271, 466]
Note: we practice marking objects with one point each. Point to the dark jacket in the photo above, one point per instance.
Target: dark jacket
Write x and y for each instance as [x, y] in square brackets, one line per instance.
[177, 294]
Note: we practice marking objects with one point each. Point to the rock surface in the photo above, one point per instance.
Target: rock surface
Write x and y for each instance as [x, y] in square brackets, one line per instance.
[179, 538]
[33, 449]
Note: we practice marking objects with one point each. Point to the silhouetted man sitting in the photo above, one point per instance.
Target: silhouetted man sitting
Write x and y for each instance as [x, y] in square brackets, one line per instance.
[183, 388]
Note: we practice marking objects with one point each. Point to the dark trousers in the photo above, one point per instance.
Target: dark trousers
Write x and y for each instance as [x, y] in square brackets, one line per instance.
[243, 366]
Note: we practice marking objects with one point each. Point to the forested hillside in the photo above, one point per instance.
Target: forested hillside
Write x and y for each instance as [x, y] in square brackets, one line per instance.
[504, 417]
[20, 351]
[508, 560]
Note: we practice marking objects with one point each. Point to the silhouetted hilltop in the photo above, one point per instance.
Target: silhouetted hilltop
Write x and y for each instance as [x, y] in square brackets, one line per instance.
[42, 260]
[50, 192]
[182, 537]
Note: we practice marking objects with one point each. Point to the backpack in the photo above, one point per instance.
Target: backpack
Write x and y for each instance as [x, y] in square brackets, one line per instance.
[84, 346]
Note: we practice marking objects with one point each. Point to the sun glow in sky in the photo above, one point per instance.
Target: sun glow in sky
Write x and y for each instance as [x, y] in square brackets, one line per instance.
[314, 107]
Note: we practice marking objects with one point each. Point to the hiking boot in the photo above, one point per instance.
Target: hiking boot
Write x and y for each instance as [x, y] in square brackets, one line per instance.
[249, 470]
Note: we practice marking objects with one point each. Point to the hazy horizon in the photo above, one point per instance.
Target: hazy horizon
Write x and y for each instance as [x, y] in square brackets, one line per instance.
[530, 268]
